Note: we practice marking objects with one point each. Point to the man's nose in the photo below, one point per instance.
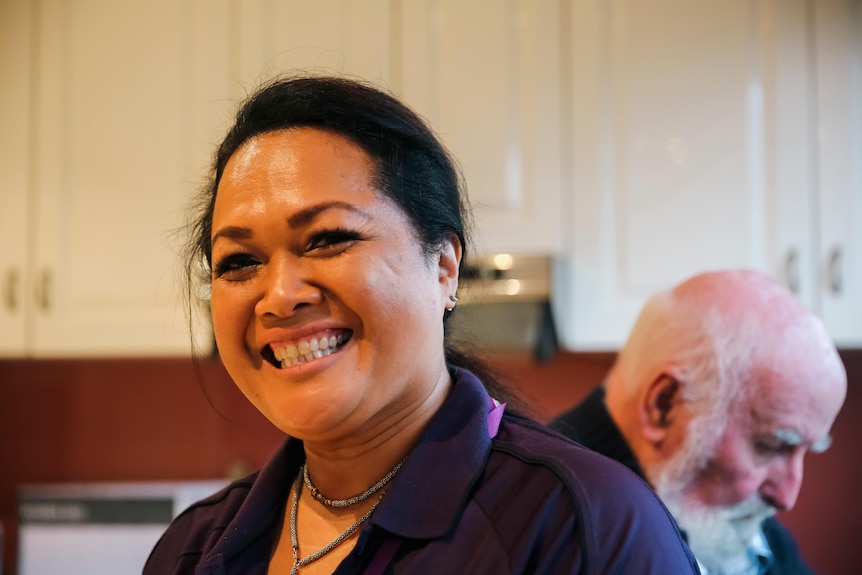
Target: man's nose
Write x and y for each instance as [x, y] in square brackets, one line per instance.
[781, 487]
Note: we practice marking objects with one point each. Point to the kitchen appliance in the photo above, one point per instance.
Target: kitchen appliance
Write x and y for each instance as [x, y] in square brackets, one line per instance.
[505, 304]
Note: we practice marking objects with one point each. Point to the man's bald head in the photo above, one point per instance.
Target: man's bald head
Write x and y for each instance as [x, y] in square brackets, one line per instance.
[724, 384]
[716, 327]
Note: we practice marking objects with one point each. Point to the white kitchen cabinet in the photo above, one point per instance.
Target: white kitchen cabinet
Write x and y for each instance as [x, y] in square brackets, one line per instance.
[125, 106]
[837, 29]
[694, 148]
[486, 74]
[109, 127]
[14, 165]
[349, 37]
[638, 142]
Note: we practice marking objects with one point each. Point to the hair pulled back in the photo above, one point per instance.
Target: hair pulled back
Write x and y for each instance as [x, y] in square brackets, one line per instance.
[409, 165]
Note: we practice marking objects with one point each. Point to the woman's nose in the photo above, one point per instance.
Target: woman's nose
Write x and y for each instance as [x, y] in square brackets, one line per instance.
[285, 289]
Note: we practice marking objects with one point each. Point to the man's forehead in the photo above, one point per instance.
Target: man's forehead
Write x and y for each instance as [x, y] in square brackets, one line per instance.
[790, 402]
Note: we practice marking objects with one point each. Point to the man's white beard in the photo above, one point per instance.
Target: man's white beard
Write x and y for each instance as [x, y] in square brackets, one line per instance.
[715, 534]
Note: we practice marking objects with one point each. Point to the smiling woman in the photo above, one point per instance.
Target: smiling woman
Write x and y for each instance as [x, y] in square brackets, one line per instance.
[323, 257]
[333, 234]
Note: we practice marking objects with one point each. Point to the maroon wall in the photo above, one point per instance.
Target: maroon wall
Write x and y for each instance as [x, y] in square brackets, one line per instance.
[116, 420]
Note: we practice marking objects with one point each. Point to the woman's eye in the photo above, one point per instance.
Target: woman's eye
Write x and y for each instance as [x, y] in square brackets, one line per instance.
[332, 241]
[234, 266]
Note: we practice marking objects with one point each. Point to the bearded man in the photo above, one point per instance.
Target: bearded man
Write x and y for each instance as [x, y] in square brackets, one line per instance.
[723, 386]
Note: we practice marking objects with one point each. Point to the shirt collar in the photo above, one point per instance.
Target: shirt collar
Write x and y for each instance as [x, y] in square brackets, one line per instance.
[760, 550]
[591, 423]
[443, 466]
[758, 559]
[265, 502]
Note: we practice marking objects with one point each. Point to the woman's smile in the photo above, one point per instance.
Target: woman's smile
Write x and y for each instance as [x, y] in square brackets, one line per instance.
[305, 350]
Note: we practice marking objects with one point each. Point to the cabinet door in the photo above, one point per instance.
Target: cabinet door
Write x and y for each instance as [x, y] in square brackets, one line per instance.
[486, 75]
[127, 104]
[297, 36]
[838, 39]
[14, 165]
[682, 132]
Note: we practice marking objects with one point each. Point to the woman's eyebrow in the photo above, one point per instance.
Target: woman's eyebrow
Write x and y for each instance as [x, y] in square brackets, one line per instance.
[233, 233]
[299, 219]
[307, 215]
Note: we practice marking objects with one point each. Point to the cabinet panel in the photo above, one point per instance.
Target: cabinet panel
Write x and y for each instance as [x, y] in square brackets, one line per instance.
[681, 132]
[791, 147]
[837, 29]
[127, 104]
[14, 165]
[486, 75]
[325, 36]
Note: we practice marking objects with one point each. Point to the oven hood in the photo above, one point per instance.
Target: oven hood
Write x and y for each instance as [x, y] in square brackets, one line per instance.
[505, 304]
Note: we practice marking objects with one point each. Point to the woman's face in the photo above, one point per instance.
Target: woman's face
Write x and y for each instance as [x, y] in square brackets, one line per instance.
[327, 312]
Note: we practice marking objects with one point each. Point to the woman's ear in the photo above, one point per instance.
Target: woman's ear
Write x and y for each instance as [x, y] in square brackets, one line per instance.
[659, 407]
[449, 262]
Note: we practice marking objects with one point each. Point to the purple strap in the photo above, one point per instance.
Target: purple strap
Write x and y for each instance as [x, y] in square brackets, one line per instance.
[495, 416]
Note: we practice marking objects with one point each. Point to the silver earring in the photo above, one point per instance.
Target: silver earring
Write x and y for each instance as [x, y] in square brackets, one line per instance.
[454, 300]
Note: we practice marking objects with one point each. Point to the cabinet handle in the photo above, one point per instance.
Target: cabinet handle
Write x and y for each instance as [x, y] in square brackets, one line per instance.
[791, 270]
[43, 291]
[835, 278]
[10, 291]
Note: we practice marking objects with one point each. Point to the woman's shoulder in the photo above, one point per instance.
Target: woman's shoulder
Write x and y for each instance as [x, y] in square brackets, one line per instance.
[197, 529]
[533, 444]
[221, 505]
[614, 514]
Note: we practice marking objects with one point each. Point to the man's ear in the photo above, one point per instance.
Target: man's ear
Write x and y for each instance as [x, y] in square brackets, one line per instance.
[659, 406]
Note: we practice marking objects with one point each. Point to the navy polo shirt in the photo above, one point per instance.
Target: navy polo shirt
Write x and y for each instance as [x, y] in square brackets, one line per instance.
[526, 501]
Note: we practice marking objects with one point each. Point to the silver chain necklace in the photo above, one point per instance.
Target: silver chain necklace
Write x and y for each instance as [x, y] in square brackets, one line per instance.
[297, 490]
[319, 497]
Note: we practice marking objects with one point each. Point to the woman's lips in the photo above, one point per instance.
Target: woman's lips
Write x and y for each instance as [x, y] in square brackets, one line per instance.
[305, 350]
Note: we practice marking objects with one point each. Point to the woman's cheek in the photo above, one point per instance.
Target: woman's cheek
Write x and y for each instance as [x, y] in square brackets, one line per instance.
[226, 316]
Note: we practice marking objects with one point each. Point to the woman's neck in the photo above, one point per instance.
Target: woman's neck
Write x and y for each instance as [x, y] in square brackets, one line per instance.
[349, 466]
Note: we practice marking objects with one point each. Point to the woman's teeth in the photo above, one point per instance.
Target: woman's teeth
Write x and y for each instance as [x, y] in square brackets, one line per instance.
[306, 351]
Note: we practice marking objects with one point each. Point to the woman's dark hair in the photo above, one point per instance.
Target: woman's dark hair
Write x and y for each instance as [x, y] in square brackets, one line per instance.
[409, 165]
